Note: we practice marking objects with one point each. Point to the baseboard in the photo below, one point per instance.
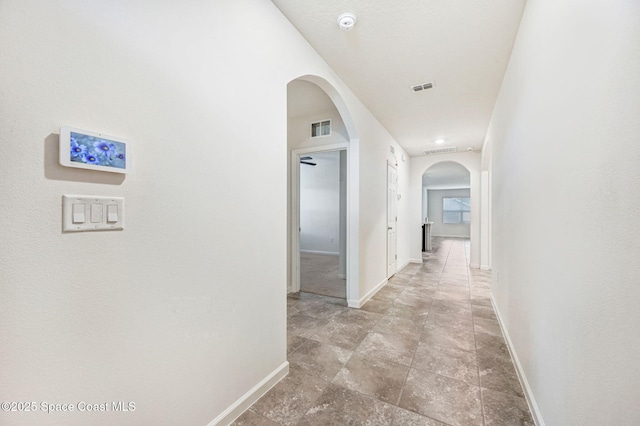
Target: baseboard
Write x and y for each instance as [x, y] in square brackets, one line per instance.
[229, 415]
[474, 265]
[415, 260]
[485, 267]
[528, 394]
[342, 276]
[360, 303]
[404, 265]
[328, 253]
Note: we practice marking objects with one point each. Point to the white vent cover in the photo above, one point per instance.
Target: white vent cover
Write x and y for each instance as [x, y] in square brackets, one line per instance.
[436, 151]
[423, 86]
[392, 149]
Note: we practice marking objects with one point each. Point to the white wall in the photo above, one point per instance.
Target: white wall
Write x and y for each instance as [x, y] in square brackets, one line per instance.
[564, 135]
[320, 204]
[439, 229]
[166, 313]
[425, 203]
[419, 165]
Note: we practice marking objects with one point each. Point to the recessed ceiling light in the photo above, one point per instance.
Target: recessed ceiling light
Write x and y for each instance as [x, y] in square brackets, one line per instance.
[440, 141]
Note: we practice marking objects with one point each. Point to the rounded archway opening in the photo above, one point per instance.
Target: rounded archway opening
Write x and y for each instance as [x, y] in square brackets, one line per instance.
[319, 139]
[446, 204]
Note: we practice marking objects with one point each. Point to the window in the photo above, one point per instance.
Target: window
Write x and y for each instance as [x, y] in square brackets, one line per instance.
[321, 128]
[456, 210]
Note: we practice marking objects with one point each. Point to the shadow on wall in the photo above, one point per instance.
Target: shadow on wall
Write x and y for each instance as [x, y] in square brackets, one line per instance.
[55, 171]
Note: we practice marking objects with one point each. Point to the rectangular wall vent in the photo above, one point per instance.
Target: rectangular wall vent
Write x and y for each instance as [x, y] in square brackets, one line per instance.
[436, 151]
[321, 128]
[423, 86]
[392, 149]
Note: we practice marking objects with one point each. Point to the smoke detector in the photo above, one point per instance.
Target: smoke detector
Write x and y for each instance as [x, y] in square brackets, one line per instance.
[347, 21]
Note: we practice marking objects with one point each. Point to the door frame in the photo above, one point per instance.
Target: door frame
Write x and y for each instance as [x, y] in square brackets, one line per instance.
[390, 165]
[295, 212]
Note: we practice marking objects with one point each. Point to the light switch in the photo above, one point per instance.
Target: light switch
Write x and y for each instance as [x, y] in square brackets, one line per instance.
[96, 213]
[112, 213]
[83, 213]
[78, 212]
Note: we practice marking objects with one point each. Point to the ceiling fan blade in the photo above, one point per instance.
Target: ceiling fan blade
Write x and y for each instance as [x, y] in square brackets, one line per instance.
[306, 162]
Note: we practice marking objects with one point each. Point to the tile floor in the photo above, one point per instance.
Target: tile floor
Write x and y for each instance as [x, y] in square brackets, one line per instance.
[425, 350]
[319, 275]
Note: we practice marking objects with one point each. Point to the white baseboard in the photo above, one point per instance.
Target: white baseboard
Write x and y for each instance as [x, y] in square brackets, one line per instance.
[404, 265]
[474, 265]
[328, 253]
[229, 415]
[485, 267]
[528, 394]
[415, 260]
[360, 303]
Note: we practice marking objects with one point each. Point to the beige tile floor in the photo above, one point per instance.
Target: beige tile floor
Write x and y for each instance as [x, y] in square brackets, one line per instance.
[425, 350]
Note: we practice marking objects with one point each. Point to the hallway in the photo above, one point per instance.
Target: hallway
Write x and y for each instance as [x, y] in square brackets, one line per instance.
[426, 350]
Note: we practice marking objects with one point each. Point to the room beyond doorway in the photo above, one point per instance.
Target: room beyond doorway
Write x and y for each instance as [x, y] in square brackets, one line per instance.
[322, 223]
[319, 275]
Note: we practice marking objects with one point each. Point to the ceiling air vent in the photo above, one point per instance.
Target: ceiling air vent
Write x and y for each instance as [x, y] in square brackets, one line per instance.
[436, 151]
[423, 86]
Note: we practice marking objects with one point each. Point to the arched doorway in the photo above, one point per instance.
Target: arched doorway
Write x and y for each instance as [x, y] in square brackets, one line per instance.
[446, 204]
[313, 102]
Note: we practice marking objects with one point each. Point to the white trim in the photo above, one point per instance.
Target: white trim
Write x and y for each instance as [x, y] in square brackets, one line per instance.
[474, 266]
[416, 261]
[236, 409]
[404, 265]
[360, 303]
[393, 166]
[328, 253]
[528, 393]
[485, 267]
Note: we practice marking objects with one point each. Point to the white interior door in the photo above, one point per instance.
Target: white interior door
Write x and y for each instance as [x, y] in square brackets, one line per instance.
[392, 219]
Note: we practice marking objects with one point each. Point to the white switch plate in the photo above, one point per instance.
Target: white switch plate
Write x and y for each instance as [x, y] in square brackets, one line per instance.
[100, 213]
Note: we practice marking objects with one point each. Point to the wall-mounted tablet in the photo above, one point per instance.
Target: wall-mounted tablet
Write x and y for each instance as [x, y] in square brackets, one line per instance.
[94, 151]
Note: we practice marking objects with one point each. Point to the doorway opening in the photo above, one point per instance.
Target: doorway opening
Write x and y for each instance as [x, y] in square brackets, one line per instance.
[320, 190]
[446, 203]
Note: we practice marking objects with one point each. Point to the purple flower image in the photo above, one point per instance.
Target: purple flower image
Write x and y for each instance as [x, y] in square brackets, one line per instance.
[105, 148]
[90, 158]
[97, 151]
[77, 150]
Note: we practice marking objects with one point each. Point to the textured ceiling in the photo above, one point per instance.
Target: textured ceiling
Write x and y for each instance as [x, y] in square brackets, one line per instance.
[462, 45]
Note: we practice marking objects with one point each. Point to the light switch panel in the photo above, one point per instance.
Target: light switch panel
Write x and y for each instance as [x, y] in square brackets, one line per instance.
[82, 213]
